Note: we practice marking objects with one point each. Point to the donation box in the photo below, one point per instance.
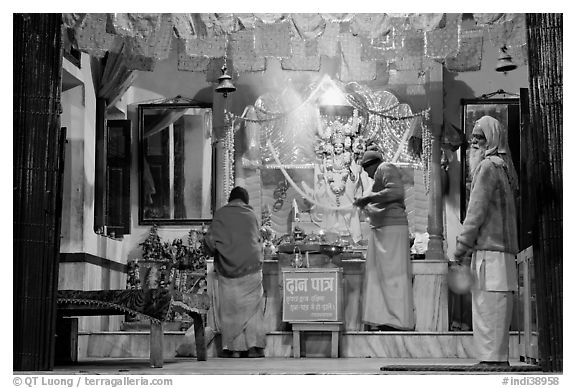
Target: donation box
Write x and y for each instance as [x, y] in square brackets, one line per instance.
[312, 294]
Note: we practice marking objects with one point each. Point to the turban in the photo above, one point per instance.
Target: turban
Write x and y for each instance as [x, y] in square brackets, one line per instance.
[497, 143]
[370, 157]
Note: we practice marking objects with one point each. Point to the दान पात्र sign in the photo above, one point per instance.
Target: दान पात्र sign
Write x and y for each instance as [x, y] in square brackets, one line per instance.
[312, 294]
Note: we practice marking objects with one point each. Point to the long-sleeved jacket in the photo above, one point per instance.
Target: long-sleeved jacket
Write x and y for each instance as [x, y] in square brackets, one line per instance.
[234, 234]
[490, 222]
[386, 206]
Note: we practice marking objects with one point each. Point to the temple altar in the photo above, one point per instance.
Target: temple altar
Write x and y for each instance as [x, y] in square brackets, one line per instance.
[297, 153]
[429, 285]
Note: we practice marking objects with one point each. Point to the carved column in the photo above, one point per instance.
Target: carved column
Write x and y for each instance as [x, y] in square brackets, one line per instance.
[430, 286]
[435, 209]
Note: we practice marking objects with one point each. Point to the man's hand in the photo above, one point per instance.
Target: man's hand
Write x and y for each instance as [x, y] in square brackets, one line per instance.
[461, 251]
[458, 258]
[361, 202]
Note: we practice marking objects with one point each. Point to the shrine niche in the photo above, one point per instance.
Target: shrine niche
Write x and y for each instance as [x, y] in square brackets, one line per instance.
[301, 153]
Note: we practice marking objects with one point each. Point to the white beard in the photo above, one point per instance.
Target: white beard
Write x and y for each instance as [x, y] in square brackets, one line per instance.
[475, 156]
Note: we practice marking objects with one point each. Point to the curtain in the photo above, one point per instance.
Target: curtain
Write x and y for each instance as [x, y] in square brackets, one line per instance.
[165, 119]
[111, 77]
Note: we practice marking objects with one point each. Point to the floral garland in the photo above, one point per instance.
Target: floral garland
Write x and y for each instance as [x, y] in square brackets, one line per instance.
[426, 155]
[228, 154]
[338, 143]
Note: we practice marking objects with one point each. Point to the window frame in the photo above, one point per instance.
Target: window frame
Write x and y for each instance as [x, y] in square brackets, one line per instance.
[102, 225]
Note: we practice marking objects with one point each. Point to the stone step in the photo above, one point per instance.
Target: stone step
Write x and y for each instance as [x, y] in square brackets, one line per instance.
[359, 344]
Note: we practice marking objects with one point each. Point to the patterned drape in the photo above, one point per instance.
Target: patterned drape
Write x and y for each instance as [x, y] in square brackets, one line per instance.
[362, 43]
[111, 76]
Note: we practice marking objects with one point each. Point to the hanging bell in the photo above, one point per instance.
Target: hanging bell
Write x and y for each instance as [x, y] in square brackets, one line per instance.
[225, 84]
[505, 63]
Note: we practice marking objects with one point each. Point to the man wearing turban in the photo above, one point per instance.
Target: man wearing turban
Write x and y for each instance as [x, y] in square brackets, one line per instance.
[489, 233]
[388, 302]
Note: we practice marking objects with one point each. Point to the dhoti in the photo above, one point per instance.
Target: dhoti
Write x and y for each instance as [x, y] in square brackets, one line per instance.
[239, 312]
[388, 296]
[491, 316]
[492, 303]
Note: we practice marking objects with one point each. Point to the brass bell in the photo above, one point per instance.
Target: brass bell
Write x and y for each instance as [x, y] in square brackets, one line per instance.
[225, 84]
[505, 63]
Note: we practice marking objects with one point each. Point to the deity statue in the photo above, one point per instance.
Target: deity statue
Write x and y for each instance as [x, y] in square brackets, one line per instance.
[337, 176]
[336, 167]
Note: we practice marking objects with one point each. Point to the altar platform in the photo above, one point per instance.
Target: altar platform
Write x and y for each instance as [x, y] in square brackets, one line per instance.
[430, 341]
[353, 344]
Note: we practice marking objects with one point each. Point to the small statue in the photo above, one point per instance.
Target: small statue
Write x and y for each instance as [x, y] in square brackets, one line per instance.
[298, 233]
[297, 260]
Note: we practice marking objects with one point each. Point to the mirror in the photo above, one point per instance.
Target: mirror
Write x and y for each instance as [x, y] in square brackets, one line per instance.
[505, 110]
[176, 163]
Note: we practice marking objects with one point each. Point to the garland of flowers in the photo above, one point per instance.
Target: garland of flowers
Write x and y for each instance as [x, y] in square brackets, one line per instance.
[228, 154]
[426, 155]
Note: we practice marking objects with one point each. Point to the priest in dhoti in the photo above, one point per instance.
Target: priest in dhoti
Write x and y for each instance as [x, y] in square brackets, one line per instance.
[489, 233]
[388, 303]
[239, 295]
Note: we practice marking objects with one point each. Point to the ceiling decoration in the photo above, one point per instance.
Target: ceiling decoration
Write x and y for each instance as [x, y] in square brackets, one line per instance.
[363, 44]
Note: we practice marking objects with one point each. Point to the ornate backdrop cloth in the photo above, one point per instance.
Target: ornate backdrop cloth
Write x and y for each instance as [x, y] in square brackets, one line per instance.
[239, 306]
[388, 296]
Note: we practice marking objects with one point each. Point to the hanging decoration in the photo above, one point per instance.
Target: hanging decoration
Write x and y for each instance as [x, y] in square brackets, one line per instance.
[228, 155]
[91, 35]
[352, 68]
[243, 52]
[426, 21]
[304, 56]
[273, 40]
[426, 155]
[444, 42]
[308, 26]
[361, 43]
[184, 26]
[337, 133]
[469, 56]
[191, 62]
[371, 25]
[216, 24]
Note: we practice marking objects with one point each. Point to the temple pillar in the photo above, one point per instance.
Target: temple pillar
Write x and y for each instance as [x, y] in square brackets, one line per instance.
[435, 214]
[430, 284]
[434, 123]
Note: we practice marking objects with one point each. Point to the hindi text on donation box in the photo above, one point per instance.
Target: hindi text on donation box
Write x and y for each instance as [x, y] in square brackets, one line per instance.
[312, 294]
